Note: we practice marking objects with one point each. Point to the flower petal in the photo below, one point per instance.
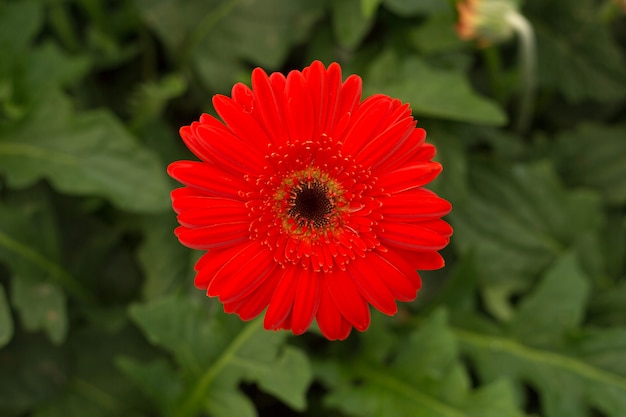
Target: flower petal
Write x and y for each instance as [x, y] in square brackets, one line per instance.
[204, 211]
[411, 236]
[208, 178]
[242, 274]
[371, 286]
[386, 144]
[398, 276]
[414, 205]
[348, 299]
[399, 260]
[282, 301]
[221, 146]
[347, 100]
[306, 302]
[299, 108]
[268, 106]
[331, 322]
[214, 236]
[254, 303]
[408, 177]
[420, 260]
[209, 263]
[366, 123]
[241, 123]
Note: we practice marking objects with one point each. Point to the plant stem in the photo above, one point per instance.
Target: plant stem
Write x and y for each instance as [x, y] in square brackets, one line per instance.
[194, 401]
[527, 56]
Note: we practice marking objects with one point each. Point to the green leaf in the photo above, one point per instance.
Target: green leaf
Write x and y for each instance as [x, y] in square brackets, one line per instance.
[226, 402]
[369, 7]
[41, 306]
[518, 219]
[90, 153]
[165, 262]
[411, 7]
[95, 387]
[19, 24]
[350, 24]
[221, 351]
[151, 98]
[424, 379]
[29, 247]
[431, 92]
[571, 374]
[32, 371]
[6, 321]
[539, 316]
[219, 37]
[287, 378]
[38, 72]
[49, 67]
[157, 380]
[436, 34]
[594, 156]
[576, 54]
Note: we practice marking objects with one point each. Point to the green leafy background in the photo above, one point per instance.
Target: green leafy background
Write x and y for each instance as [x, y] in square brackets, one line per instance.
[98, 313]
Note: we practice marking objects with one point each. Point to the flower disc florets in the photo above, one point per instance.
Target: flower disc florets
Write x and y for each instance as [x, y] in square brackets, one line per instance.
[315, 207]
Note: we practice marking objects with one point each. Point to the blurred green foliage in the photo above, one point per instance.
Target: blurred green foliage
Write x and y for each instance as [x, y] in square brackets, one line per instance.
[98, 313]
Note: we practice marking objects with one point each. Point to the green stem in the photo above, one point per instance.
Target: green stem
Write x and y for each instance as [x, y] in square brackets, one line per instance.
[194, 401]
[527, 55]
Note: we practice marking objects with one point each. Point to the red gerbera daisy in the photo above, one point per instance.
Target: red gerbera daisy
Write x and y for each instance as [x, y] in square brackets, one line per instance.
[309, 201]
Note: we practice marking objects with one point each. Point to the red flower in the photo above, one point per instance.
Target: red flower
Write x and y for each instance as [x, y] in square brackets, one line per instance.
[309, 201]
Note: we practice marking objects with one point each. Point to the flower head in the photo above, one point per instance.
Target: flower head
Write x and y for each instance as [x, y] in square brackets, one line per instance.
[309, 201]
[487, 21]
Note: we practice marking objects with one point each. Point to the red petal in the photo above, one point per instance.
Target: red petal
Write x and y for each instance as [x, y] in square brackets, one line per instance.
[242, 274]
[268, 106]
[215, 236]
[254, 303]
[348, 299]
[242, 124]
[214, 141]
[282, 300]
[401, 260]
[208, 178]
[409, 151]
[398, 277]
[386, 144]
[371, 286]
[204, 211]
[333, 86]
[306, 301]
[366, 123]
[422, 260]
[315, 76]
[348, 99]
[243, 96]
[424, 153]
[299, 108]
[211, 262]
[437, 225]
[331, 322]
[414, 205]
[411, 236]
[408, 177]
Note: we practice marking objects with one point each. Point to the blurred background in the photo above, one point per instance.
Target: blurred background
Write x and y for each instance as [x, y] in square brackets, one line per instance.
[525, 101]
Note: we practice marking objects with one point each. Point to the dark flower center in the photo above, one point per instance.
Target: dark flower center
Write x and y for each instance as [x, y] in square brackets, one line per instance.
[310, 204]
